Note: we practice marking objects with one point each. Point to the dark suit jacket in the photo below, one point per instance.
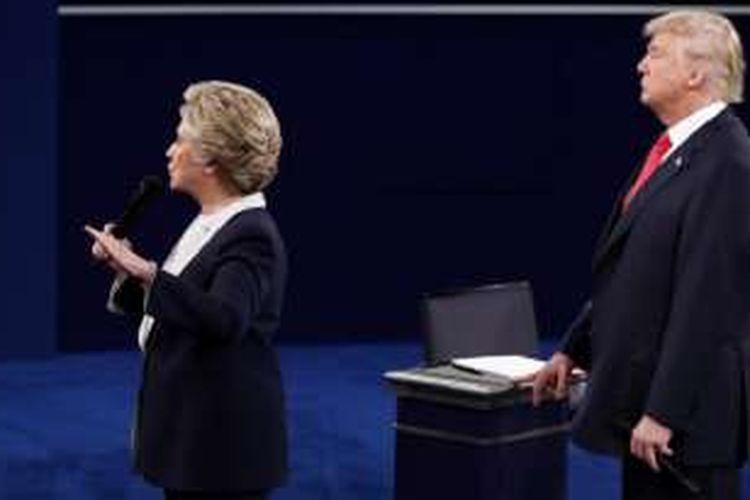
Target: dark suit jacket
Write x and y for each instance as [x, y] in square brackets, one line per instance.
[211, 409]
[666, 330]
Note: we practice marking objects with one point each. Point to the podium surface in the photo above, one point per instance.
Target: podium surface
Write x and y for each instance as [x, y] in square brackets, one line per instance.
[475, 437]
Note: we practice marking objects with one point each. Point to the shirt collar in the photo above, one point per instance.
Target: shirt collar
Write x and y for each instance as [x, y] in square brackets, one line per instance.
[683, 129]
[247, 202]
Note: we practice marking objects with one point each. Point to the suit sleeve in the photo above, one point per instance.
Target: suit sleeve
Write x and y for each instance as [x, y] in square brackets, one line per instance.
[126, 296]
[711, 293]
[224, 311]
[576, 342]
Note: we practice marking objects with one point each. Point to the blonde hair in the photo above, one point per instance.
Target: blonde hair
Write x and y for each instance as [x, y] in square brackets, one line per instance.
[709, 37]
[235, 128]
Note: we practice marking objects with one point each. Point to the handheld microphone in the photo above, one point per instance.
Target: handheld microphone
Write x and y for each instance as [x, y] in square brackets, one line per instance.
[149, 187]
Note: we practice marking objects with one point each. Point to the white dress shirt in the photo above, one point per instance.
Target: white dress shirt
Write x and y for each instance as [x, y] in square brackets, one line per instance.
[683, 129]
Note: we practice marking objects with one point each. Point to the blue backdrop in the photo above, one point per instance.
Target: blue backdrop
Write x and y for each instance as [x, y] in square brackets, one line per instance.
[28, 178]
[421, 152]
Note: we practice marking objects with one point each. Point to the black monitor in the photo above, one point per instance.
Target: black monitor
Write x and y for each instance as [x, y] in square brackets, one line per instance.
[477, 321]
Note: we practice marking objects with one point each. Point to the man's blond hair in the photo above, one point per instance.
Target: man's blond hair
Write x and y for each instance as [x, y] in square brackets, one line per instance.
[709, 38]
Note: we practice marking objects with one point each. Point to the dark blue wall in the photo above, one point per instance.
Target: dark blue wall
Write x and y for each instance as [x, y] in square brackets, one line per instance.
[420, 153]
[28, 175]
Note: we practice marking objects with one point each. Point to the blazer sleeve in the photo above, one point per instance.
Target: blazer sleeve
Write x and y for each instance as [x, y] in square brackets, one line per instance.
[711, 293]
[126, 296]
[225, 310]
[576, 342]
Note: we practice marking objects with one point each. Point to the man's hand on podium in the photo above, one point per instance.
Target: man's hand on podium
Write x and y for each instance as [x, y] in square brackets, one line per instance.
[555, 376]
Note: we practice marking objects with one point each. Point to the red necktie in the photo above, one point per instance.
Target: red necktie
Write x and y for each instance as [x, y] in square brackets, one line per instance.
[653, 160]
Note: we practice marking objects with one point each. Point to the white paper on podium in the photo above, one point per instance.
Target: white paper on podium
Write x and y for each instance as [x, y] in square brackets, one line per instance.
[514, 367]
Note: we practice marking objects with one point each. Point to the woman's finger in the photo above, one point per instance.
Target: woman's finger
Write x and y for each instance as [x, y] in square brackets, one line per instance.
[98, 251]
[93, 232]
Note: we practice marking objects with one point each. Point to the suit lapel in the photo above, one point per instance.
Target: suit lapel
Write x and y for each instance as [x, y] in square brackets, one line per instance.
[614, 215]
[195, 262]
[618, 226]
[622, 224]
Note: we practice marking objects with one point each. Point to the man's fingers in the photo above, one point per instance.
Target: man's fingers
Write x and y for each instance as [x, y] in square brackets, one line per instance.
[553, 377]
[637, 447]
[543, 379]
[647, 451]
[651, 458]
[537, 388]
[562, 382]
[644, 452]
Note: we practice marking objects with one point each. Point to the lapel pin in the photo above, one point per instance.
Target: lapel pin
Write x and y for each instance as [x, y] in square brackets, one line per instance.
[678, 161]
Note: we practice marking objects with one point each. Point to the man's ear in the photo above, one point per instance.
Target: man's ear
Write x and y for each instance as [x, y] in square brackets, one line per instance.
[697, 77]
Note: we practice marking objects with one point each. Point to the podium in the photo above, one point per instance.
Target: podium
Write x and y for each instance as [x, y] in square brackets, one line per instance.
[475, 437]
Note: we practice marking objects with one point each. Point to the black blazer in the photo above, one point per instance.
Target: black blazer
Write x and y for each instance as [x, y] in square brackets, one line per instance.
[211, 408]
[666, 330]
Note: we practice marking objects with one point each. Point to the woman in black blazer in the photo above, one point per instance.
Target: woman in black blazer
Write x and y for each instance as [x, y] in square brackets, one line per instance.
[211, 419]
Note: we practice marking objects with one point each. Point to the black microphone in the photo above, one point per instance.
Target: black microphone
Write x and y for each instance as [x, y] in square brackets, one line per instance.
[149, 187]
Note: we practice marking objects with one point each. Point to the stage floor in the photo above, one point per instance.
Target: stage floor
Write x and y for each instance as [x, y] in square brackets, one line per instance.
[64, 427]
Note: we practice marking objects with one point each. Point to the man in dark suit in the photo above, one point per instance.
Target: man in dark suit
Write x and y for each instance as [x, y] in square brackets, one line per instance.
[211, 422]
[665, 334]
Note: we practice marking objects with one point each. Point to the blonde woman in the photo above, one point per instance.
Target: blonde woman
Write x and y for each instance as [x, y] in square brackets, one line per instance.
[211, 420]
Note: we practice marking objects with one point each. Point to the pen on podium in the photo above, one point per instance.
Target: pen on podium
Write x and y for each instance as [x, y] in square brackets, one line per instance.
[466, 369]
